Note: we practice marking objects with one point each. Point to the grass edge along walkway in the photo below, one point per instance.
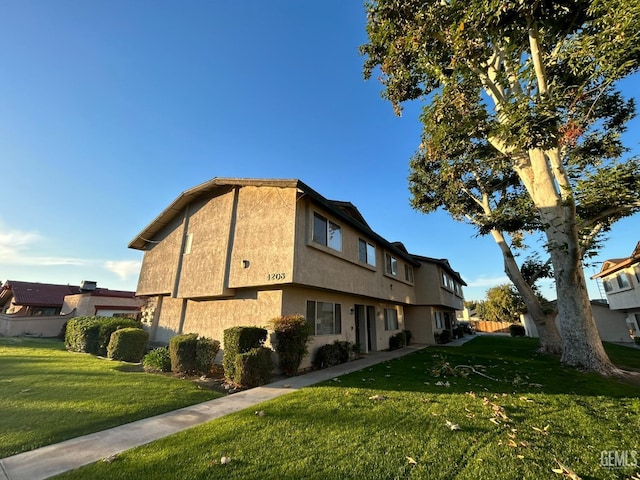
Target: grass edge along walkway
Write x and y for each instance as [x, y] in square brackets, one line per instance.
[54, 459]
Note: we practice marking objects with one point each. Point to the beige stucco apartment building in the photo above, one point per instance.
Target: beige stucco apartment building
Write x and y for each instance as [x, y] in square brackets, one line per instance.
[243, 251]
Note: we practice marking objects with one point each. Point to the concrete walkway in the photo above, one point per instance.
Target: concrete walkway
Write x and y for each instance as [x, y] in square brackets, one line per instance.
[51, 460]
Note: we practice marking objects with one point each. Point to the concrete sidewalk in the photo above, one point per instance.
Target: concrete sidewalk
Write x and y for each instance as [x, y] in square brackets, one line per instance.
[51, 460]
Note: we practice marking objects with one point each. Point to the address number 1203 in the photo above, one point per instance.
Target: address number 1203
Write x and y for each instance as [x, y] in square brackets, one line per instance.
[276, 276]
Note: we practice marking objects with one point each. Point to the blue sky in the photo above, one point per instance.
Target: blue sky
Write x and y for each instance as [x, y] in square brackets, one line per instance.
[110, 109]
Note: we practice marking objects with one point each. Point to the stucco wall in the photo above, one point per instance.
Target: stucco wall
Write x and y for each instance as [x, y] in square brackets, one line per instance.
[85, 304]
[624, 299]
[419, 320]
[157, 274]
[430, 290]
[322, 267]
[42, 326]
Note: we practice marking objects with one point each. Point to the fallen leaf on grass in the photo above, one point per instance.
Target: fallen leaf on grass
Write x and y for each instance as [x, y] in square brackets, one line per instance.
[566, 472]
[110, 458]
[543, 431]
[260, 413]
[525, 399]
[411, 461]
[378, 397]
[453, 426]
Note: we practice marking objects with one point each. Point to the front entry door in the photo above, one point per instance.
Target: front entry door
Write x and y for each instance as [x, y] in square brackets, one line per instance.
[365, 327]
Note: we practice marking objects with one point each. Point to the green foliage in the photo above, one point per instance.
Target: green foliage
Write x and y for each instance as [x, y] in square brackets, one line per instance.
[239, 340]
[442, 337]
[517, 330]
[332, 354]
[206, 351]
[182, 349]
[637, 340]
[253, 368]
[127, 344]
[92, 334]
[292, 335]
[157, 360]
[503, 304]
[397, 341]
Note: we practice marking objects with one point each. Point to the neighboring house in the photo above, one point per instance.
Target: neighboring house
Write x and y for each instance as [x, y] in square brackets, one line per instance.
[611, 324]
[42, 308]
[234, 252]
[621, 280]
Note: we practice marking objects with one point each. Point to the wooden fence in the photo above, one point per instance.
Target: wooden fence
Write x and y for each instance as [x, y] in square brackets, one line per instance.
[490, 327]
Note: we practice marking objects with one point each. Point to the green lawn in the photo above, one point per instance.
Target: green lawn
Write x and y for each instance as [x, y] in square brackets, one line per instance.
[48, 394]
[390, 421]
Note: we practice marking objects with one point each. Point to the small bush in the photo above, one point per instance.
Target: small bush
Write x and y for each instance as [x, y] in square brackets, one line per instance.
[82, 335]
[108, 325]
[332, 354]
[182, 350]
[397, 341]
[292, 335]
[637, 340]
[443, 337]
[239, 340]
[458, 332]
[517, 330]
[157, 360]
[408, 335]
[253, 368]
[206, 351]
[127, 344]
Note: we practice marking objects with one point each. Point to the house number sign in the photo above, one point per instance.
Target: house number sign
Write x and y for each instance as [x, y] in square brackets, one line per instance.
[276, 276]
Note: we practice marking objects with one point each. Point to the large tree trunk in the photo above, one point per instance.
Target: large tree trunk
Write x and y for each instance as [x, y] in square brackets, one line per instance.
[548, 335]
[549, 190]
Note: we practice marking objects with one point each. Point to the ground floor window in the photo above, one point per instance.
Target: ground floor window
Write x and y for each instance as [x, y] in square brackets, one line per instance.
[439, 319]
[325, 318]
[390, 319]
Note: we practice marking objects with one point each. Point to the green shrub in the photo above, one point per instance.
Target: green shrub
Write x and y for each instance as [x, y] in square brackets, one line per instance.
[239, 340]
[182, 350]
[108, 325]
[253, 368]
[157, 360]
[292, 335]
[206, 351]
[637, 340]
[517, 330]
[127, 344]
[443, 337]
[82, 335]
[332, 354]
[408, 335]
[458, 332]
[397, 341]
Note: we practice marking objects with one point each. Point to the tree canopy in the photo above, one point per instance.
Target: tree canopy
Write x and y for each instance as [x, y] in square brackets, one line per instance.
[522, 124]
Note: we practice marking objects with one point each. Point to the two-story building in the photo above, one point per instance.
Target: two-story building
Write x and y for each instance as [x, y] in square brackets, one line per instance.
[243, 251]
[621, 280]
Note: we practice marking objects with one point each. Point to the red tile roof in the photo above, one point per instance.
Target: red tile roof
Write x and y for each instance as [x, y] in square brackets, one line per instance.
[51, 295]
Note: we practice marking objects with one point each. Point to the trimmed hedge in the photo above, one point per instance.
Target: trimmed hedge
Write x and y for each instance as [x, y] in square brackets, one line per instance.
[253, 368]
[292, 335]
[332, 354]
[239, 340]
[206, 352]
[157, 360]
[517, 330]
[92, 334]
[182, 350]
[127, 344]
[397, 341]
[408, 335]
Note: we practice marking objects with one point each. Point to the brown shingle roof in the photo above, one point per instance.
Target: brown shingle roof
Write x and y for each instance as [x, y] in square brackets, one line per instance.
[52, 295]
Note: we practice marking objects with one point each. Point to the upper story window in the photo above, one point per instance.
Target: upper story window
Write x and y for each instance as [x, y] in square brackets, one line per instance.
[391, 265]
[366, 252]
[448, 282]
[408, 273]
[623, 281]
[327, 233]
[325, 318]
[607, 285]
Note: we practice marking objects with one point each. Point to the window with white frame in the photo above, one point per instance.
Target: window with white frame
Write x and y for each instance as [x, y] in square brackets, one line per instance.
[439, 319]
[623, 281]
[390, 319]
[366, 252]
[391, 265]
[326, 233]
[325, 318]
[408, 273]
